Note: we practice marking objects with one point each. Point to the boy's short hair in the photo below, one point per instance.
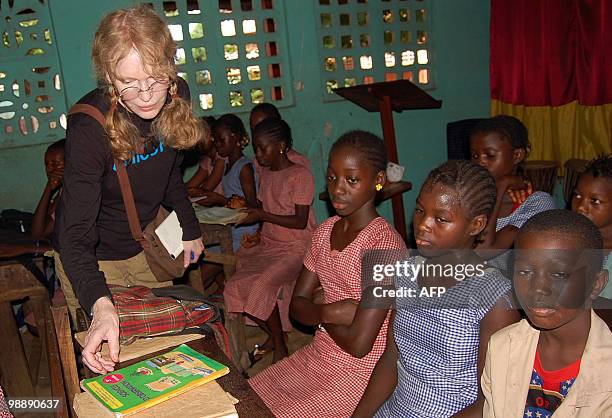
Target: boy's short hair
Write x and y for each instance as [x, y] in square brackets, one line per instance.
[600, 167]
[571, 224]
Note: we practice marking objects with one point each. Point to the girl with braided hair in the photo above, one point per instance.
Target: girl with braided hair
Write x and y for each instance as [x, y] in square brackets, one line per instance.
[147, 122]
[436, 346]
[501, 144]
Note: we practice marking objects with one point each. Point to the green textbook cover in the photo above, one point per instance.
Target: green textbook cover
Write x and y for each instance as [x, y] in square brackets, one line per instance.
[149, 382]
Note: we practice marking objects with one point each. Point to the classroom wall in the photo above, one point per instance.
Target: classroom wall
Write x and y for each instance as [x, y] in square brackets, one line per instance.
[460, 52]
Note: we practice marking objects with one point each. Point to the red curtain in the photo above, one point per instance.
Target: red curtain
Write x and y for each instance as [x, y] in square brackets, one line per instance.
[551, 52]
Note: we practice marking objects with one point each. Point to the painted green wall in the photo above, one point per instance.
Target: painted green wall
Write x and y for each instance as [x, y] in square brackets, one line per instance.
[461, 55]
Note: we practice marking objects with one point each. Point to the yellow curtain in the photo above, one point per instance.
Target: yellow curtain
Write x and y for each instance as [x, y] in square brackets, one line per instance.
[562, 132]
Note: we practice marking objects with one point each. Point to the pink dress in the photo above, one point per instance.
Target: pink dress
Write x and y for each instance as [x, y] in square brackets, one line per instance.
[266, 273]
[321, 379]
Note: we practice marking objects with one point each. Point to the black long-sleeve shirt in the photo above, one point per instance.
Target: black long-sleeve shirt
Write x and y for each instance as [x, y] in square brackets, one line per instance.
[91, 221]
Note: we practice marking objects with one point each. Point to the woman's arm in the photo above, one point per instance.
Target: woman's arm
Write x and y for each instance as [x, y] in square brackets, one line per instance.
[247, 182]
[383, 380]
[297, 221]
[500, 316]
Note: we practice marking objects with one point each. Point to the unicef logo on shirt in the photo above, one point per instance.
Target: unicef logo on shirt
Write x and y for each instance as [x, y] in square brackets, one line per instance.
[138, 158]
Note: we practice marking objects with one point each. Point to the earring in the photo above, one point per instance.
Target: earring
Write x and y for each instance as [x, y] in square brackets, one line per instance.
[379, 187]
[282, 151]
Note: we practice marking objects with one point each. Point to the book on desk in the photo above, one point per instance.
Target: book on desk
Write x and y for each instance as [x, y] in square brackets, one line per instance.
[168, 376]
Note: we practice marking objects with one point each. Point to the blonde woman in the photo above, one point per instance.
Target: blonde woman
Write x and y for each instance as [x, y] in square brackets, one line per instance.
[148, 121]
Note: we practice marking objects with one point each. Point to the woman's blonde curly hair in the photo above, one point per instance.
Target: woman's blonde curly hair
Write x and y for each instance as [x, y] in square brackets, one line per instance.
[143, 30]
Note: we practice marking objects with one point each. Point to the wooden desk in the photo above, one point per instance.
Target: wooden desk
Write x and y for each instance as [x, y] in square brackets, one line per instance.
[16, 282]
[390, 190]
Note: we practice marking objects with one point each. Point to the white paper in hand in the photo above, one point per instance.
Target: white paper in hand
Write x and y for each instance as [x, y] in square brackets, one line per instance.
[170, 234]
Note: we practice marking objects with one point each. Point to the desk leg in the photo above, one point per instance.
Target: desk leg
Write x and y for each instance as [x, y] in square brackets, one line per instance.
[13, 363]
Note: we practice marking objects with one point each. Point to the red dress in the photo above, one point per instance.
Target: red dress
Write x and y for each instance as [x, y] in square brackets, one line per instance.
[266, 273]
[321, 379]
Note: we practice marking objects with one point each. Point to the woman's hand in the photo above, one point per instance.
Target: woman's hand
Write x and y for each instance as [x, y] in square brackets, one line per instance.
[192, 251]
[253, 215]
[104, 327]
[341, 312]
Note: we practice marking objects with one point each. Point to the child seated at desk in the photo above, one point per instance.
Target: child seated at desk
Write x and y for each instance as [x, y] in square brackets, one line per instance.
[266, 273]
[44, 216]
[210, 168]
[558, 361]
[327, 377]
[593, 199]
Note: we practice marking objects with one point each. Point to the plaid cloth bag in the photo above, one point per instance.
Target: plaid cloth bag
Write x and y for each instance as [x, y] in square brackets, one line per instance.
[172, 310]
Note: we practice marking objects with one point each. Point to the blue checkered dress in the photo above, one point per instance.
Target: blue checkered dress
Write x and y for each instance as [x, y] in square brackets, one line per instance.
[437, 340]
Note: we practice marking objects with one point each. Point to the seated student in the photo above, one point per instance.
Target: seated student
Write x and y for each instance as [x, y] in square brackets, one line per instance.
[558, 361]
[593, 199]
[239, 178]
[327, 377]
[436, 347]
[266, 273]
[263, 111]
[44, 216]
[210, 168]
[500, 144]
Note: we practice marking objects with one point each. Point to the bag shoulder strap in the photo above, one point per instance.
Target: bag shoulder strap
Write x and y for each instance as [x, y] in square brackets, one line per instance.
[124, 181]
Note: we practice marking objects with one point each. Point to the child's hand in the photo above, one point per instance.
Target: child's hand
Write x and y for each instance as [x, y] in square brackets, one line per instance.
[211, 199]
[253, 215]
[248, 240]
[54, 180]
[341, 312]
[519, 196]
[512, 182]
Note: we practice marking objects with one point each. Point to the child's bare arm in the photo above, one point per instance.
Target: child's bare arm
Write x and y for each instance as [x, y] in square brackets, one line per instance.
[247, 182]
[297, 221]
[42, 222]
[499, 317]
[302, 307]
[383, 380]
[194, 182]
[215, 176]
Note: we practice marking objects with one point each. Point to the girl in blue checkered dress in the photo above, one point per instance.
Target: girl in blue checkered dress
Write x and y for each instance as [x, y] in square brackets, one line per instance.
[501, 144]
[448, 303]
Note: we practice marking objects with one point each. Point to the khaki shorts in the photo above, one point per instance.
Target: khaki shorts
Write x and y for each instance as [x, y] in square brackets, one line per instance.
[134, 271]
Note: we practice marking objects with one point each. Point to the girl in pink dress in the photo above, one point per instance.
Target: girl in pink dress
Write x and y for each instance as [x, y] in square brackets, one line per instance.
[327, 377]
[266, 273]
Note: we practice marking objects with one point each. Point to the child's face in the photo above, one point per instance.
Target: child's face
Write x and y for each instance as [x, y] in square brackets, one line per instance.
[351, 181]
[267, 151]
[225, 141]
[440, 223]
[593, 199]
[553, 282]
[491, 151]
[54, 163]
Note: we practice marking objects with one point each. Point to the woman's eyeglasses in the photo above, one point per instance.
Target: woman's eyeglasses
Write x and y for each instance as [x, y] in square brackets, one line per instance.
[130, 93]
